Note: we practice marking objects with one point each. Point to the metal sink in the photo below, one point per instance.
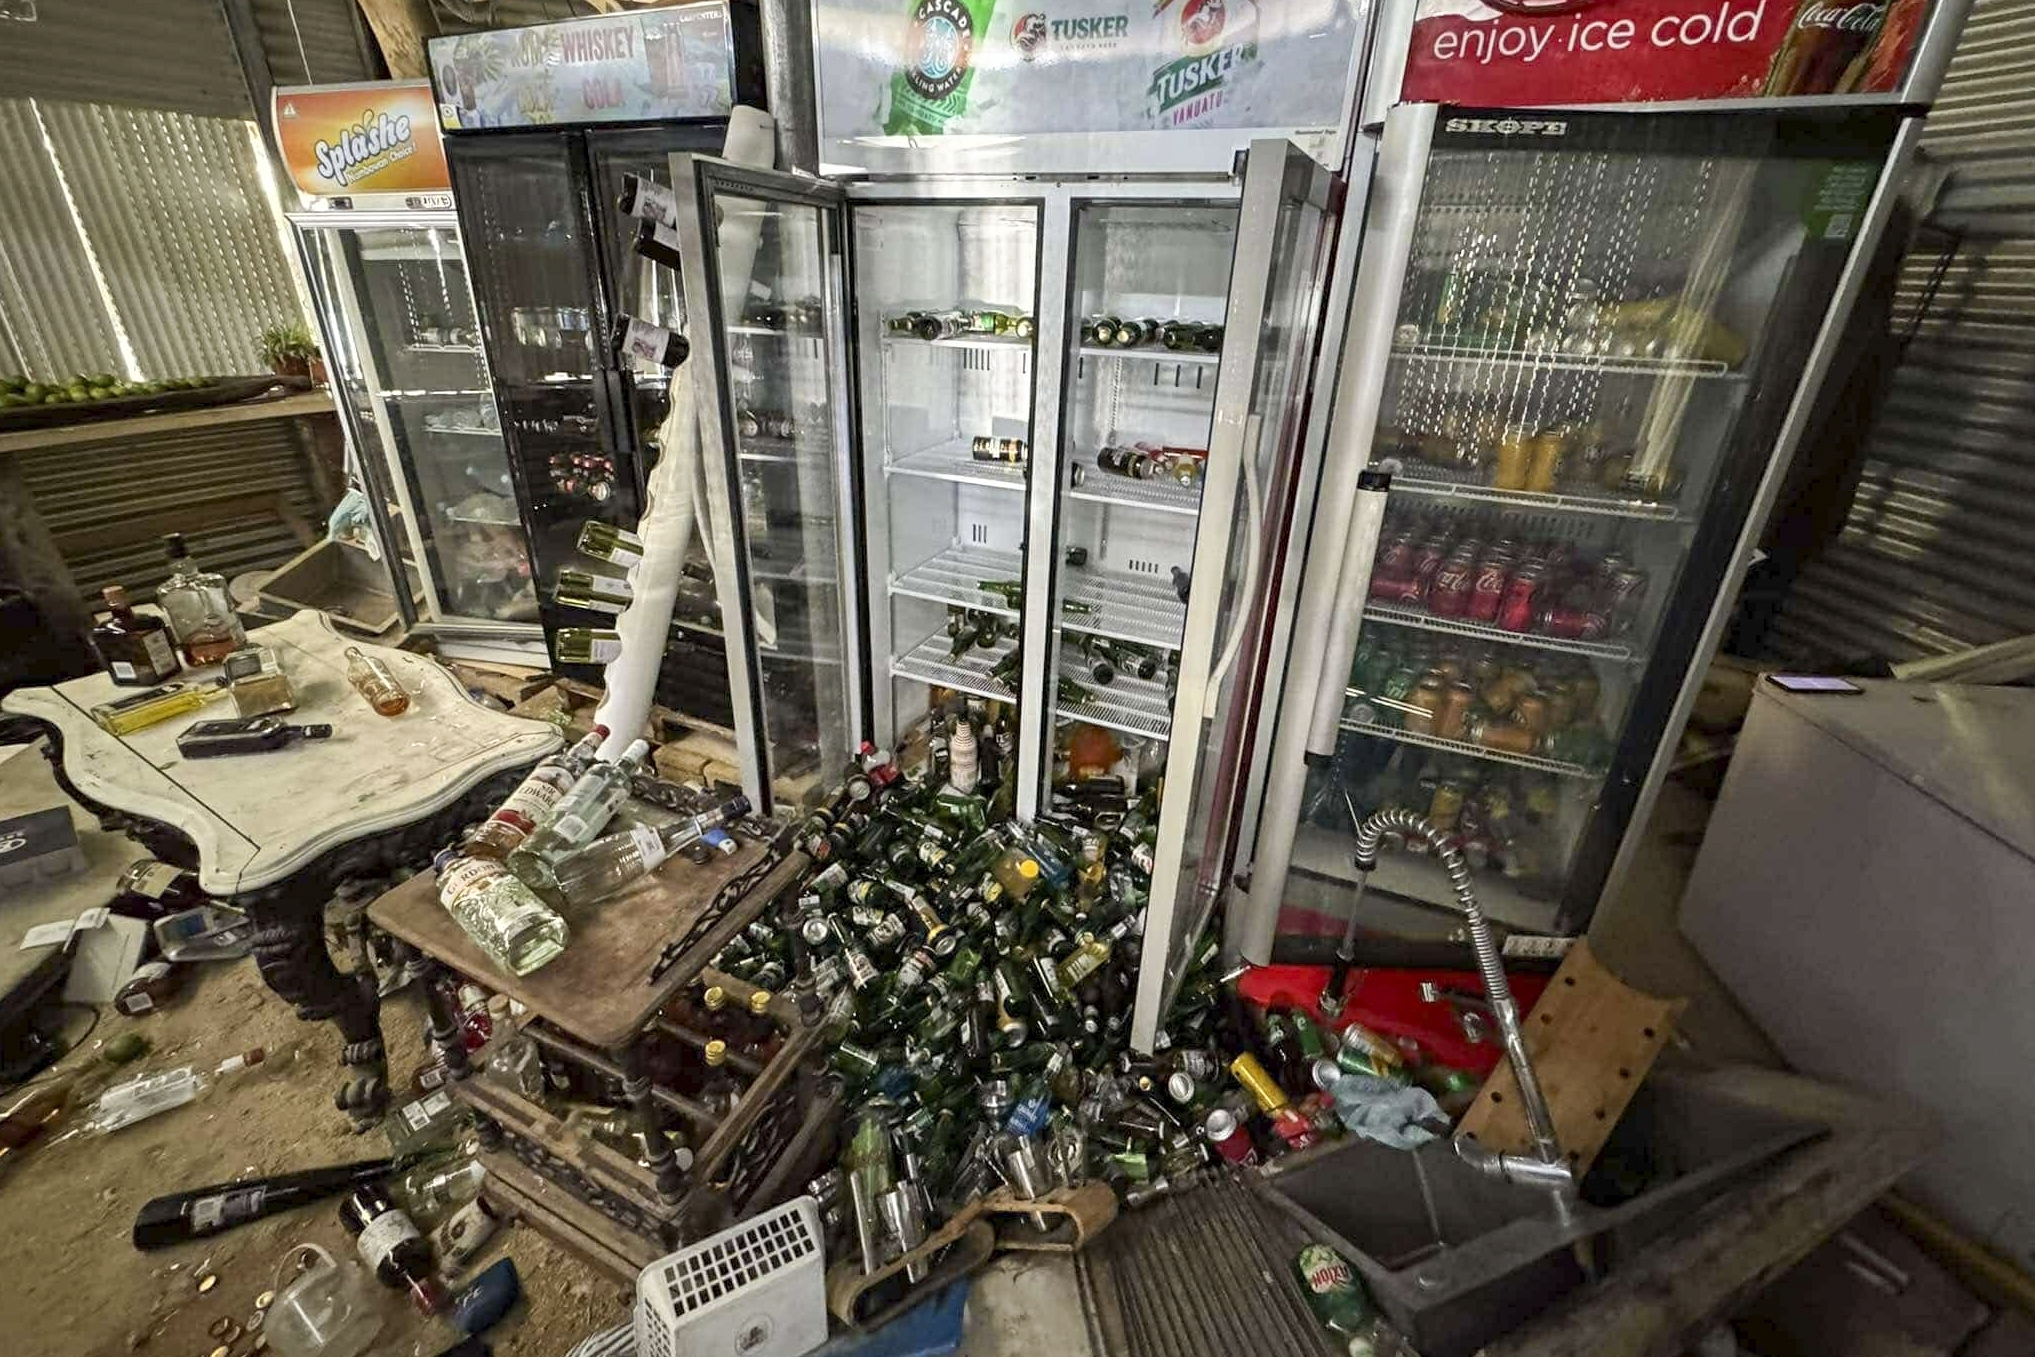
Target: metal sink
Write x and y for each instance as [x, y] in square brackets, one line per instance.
[1455, 1257]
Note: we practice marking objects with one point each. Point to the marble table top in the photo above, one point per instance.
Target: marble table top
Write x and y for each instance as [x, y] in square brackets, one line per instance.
[257, 818]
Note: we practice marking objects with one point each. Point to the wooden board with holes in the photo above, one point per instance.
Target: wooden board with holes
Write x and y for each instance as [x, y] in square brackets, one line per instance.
[1592, 1038]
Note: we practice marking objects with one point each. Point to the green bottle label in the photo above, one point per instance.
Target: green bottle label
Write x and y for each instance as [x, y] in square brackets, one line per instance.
[932, 89]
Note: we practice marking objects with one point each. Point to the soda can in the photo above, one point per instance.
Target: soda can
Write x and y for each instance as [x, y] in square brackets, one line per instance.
[1227, 1137]
[1258, 1082]
[1624, 593]
[1395, 557]
[1487, 586]
[1449, 595]
[1325, 1073]
[1182, 1088]
[1200, 1064]
[1522, 593]
[1427, 563]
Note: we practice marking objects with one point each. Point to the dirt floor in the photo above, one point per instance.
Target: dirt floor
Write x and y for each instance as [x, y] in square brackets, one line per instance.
[73, 1285]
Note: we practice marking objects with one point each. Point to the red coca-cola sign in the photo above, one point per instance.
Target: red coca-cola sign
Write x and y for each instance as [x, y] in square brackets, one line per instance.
[1521, 53]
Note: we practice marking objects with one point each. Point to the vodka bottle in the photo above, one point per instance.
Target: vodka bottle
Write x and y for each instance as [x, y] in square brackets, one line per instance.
[540, 791]
[611, 862]
[578, 817]
[518, 931]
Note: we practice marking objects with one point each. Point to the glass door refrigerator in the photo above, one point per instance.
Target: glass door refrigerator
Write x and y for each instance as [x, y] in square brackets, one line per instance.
[1594, 334]
[396, 316]
[542, 127]
[1021, 448]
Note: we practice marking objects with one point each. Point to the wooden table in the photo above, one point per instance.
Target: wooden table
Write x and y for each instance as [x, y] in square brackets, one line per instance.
[278, 834]
[599, 1005]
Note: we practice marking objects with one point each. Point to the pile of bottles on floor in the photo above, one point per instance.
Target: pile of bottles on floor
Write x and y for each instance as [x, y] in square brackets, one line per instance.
[975, 978]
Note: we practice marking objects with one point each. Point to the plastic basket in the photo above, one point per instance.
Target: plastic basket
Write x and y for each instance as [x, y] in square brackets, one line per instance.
[757, 1289]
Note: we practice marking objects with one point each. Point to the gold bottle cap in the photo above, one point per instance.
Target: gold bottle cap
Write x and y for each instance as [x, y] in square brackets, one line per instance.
[1028, 869]
[716, 998]
[759, 1002]
[717, 1052]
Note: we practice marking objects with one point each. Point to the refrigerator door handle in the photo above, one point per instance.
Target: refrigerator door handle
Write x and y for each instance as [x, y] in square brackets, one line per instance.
[1226, 651]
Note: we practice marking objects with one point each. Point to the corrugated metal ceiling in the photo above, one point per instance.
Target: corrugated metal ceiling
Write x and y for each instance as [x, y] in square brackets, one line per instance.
[167, 54]
[311, 42]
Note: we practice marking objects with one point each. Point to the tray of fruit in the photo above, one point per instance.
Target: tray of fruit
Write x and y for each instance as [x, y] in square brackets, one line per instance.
[31, 403]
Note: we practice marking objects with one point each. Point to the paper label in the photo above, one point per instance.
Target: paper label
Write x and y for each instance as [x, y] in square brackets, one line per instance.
[640, 339]
[528, 803]
[155, 880]
[466, 877]
[658, 204]
[650, 844]
[382, 1236]
[122, 669]
[158, 647]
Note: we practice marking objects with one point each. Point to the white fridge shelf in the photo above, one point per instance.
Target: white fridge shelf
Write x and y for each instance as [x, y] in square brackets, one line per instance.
[1432, 481]
[928, 662]
[1410, 617]
[951, 577]
[953, 462]
[1162, 496]
[1125, 607]
[1132, 705]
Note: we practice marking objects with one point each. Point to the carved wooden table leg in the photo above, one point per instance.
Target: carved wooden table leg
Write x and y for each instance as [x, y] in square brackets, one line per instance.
[663, 1161]
[289, 948]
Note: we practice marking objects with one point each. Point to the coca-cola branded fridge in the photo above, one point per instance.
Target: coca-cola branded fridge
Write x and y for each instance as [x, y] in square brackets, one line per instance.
[1585, 343]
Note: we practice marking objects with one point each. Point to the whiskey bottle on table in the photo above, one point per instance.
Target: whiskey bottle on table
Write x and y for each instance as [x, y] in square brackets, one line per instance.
[135, 648]
[198, 606]
[372, 678]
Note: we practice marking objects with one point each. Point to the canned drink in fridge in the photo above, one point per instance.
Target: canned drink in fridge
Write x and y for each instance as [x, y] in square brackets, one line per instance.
[1514, 462]
[1517, 610]
[1449, 596]
[1395, 557]
[1227, 1137]
[1487, 587]
[1544, 471]
[1453, 717]
[1446, 807]
[1624, 593]
[1429, 562]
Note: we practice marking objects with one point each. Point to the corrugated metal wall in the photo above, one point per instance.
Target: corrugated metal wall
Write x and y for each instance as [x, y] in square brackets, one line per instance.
[1934, 555]
[52, 320]
[168, 54]
[311, 42]
[106, 502]
[191, 251]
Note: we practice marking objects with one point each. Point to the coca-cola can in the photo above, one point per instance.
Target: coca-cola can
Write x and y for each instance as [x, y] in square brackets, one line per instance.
[1396, 556]
[1228, 1137]
[1624, 593]
[1389, 588]
[1522, 596]
[1487, 586]
[1449, 596]
[1430, 558]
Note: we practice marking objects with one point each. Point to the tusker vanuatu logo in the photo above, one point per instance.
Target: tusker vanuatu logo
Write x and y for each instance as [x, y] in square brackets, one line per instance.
[1035, 32]
[371, 145]
[942, 40]
[1194, 86]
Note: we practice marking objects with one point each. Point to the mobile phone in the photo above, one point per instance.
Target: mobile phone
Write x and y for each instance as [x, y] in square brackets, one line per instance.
[1813, 683]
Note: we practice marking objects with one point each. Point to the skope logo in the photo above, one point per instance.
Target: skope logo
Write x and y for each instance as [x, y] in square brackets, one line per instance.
[1510, 127]
[943, 38]
[1028, 34]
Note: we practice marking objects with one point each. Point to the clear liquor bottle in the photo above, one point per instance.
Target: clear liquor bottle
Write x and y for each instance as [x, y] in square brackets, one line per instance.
[505, 919]
[577, 819]
[198, 606]
[530, 802]
[612, 861]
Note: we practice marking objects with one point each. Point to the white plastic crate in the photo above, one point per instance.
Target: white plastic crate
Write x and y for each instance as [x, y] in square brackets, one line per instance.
[757, 1289]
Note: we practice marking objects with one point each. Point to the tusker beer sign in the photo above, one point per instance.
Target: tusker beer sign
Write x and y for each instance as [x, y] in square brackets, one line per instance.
[361, 140]
[1524, 53]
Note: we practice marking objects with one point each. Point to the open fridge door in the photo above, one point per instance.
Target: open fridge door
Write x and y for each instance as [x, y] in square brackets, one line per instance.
[1283, 234]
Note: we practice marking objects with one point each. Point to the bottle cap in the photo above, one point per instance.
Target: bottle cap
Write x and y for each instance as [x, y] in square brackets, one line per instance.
[1028, 869]
[759, 1002]
[638, 751]
[717, 1052]
[716, 998]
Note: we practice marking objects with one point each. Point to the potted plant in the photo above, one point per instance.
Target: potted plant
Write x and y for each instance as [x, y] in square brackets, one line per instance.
[291, 351]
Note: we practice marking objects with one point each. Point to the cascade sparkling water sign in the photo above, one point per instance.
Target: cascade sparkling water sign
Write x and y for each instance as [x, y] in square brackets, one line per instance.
[1500, 53]
[919, 69]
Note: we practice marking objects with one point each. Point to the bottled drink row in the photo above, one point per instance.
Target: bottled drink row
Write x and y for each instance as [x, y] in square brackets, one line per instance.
[1180, 336]
[1505, 453]
[1511, 309]
[1499, 818]
[1472, 569]
[977, 324]
[1148, 462]
[1481, 694]
[545, 848]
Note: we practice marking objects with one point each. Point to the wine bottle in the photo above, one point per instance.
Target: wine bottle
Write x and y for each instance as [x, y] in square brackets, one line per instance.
[389, 1243]
[200, 1212]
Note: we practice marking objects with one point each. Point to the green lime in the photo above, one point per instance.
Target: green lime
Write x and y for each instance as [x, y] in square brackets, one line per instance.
[124, 1048]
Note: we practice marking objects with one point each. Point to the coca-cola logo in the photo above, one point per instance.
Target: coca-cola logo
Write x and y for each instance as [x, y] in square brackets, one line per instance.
[1865, 18]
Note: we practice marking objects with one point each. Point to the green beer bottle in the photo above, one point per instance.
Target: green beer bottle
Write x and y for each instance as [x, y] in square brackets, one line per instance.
[930, 88]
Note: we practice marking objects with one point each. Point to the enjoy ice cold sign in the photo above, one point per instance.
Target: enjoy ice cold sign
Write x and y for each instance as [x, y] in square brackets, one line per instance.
[1524, 53]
